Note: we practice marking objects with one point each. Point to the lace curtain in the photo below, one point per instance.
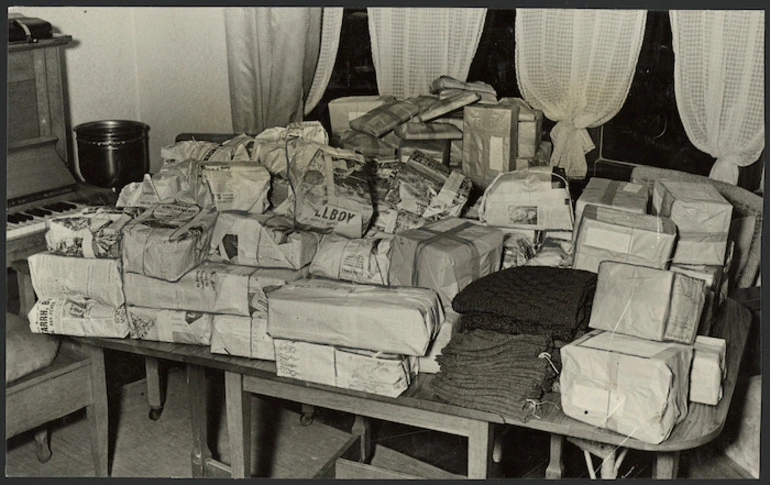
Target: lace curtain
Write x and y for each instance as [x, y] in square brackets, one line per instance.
[719, 81]
[411, 47]
[576, 66]
[278, 57]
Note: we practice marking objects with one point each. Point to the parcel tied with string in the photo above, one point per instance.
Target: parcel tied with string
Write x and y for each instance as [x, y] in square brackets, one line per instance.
[242, 336]
[168, 240]
[633, 386]
[365, 261]
[55, 276]
[78, 317]
[233, 186]
[94, 232]
[615, 194]
[163, 325]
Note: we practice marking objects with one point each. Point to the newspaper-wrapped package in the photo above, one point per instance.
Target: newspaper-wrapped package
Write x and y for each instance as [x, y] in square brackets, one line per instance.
[366, 144]
[174, 181]
[299, 153]
[395, 320]
[94, 232]
[527, 199]
[210, 287]
[392, 221]
[242, 336]
[649, 303]
[708, 370]
[529, 127]
[266, 241]
[615, 235]
[445, 256]
[428, 364]
[234, 186]
[490, 140]
[629, 385]
[310, 131]
[360, 370]
[333, 194]
[702, 217]
[448, 82]
[438, 150]
[448, 104]
[234, 149]
[428, 189]
[384, 118]
[55, 276]
[343, 110]
[364, 261]
[518, 248]
[384, 173]
[168, 240]
[78, 318]
[179, 326]
[428, 131]
[552, 252]
[624, 196]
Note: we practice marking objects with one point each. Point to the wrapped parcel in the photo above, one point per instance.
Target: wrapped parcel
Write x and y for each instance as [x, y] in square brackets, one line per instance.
[490, 140]
[343, 110]
[366, 144]
[615, 194]
[384, 118]
[179, 326]
[242, 336]
[94, 232]
[395, 320]
[365, 261]
[629, 385]
[78, 318]
[428, 363]
[438, 150]
[708, 370]
[55, 276]
[234, 186]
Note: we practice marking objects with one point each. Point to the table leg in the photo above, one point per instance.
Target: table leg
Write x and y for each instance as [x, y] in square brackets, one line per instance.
[238, 425]
[480, 443]
[665, 466]
[154, 390]
[196, 387]
[362, 427]
[555, 468]
[96, 412]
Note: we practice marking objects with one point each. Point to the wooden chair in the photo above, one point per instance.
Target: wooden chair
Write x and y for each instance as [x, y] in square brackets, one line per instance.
[75, 380]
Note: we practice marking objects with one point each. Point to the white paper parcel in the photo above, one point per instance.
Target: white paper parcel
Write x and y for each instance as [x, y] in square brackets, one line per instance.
[242, 336]
[55, 276]
[179, 326]
[78, 318]
[633, 386]
[394, 320]
[364, 261]
[234, 186]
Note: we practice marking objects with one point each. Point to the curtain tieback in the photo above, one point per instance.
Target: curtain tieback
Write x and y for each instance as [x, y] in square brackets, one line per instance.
[570, 144]
[725, 168]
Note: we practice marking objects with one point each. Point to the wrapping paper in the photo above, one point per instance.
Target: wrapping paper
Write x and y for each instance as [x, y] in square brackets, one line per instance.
[708, 370]
[78, 318]
[242, 336]
[448, 82]
[299, 153]
[384, 118]
[529, 128]
[394, 320]
[94, 232]
[615, 194]
[176, 180]
[741, 444]
[490, 140]
[518, 248]
[428, 189]
[449, 104]
[629, 385]
[178, 326]
[56, 276]
[234, 186]
[542, 157]
[211, 287]
[428, 131]
[343, 110]
[428, 363]
[438, 150]
[309, 131]
[366, 144]
[552, 252]
[235, 149]
[445, 256]
[649, 303]
[261, 241]
[702, 217]
[167, 240]
[384, 173]
[392, 221]
[614, 235]
[365, 261]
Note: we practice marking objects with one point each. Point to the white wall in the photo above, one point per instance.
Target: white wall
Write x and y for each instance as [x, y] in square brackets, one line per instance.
[164, 66]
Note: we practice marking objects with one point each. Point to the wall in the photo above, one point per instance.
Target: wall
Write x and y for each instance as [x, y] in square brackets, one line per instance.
[166, 67]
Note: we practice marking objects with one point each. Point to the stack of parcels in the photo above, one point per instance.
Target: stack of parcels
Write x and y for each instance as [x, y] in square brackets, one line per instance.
[635, 387]
[432, 138]
[614, 194]
[344, 110]
[325, 319]
[609, 234]
[708, 370]
[445, 256]
[82, 297]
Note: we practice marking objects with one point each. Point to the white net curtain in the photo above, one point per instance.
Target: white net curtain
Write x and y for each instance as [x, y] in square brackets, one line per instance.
[576, 66]
[411, 47]
[719, 81]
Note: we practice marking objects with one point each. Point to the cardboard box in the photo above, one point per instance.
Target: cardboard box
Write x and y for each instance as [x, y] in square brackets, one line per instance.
[445, 256]
[393, 320]
[94, 232]
[343, 110]
[78, 318]
[649, 303]
[490, 140]
[365, 261]
[168, 240]
[702, 217]
[708, 370]
[614, 235]
[178, 326]
[629, 385]
[55, 276]
[438, 150]
[614, 194]
[242, 336]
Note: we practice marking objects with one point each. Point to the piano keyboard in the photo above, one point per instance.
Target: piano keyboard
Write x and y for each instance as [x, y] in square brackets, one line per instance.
[33, 220]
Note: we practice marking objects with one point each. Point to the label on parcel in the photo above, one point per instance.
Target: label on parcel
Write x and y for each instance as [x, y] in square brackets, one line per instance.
[78, 318]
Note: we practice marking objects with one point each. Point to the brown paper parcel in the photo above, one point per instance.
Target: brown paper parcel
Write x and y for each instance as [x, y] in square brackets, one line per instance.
[614, 235]
[343, 110]
[649, 303]
[394, 320]
[702, 217]
[364, 261]
[78, 318]
[632, 386]
[168, 240]
[261, 241]
[55, 276]
[445, 256]
[708, 370]
[490, 140]
[178, 326]
[242, 336]
[615, 194]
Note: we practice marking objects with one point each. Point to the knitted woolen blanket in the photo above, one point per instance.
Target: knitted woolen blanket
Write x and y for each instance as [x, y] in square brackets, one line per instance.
[532, 299]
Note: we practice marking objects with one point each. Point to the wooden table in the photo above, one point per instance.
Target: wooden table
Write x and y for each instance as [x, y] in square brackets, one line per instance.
[419, 407]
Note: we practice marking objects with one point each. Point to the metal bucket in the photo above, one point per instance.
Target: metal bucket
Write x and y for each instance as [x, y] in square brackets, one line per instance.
[113, 153]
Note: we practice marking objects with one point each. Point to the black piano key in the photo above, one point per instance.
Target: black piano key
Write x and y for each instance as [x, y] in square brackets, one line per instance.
[68, 206]
[25, 217]
[56, 207]
[38, 212]
[13, 219]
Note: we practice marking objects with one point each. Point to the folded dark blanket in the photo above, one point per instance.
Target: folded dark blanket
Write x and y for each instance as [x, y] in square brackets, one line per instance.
[504, 324]
[534, 296]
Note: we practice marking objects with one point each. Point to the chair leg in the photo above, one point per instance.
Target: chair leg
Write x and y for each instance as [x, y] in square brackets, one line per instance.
[308, 414]
[42, 445]
[97, 414]
[154, 387]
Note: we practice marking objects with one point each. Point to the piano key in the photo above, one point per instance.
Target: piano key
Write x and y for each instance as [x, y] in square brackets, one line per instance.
[38, 212]
[25, 217]
[13, 218]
